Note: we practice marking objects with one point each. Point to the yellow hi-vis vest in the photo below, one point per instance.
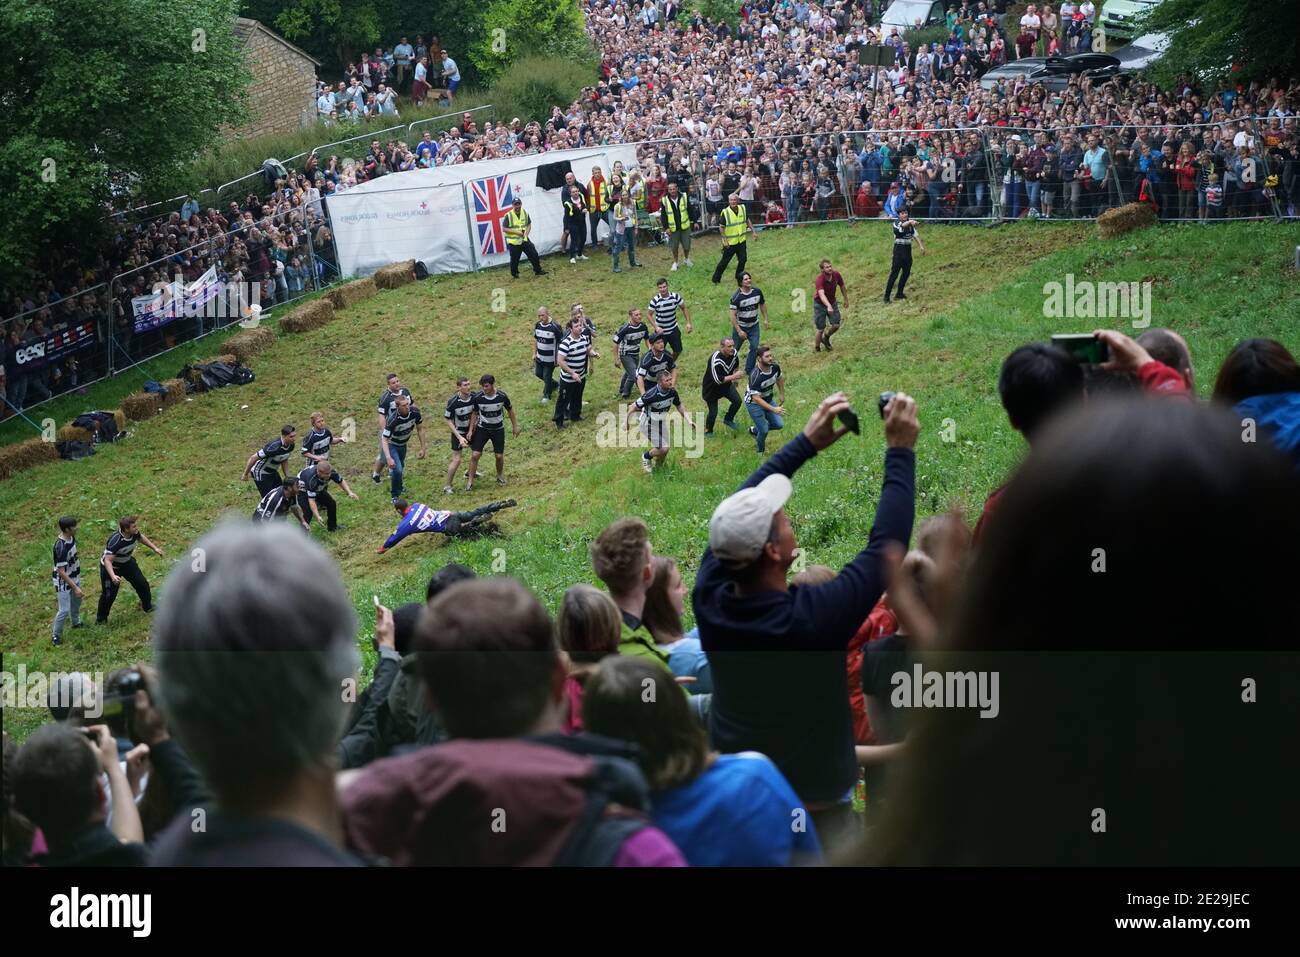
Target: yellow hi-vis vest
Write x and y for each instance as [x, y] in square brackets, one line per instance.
[598, 196]
[734, 222]
[678, 213]
[516, 224]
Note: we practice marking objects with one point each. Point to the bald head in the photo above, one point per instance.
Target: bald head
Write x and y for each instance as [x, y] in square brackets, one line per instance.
[1167, 346]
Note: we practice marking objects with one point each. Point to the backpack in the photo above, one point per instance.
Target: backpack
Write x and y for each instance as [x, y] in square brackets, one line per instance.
[102, 426]
[216, 375]
[606, 823]
[74, 449]
[421, 270]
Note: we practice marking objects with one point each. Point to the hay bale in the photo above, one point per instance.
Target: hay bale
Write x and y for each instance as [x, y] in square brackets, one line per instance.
[313, 315]
[350, 292]
[1125, 219]
[175, 392]
[24, 455]
[397, 274]
[73, 433]
[120, 418]
[139, 406]
[244, 345]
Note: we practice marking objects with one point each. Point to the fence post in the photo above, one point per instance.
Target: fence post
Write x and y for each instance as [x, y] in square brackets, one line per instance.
[111, 338]
[311, 262]
[994, 179]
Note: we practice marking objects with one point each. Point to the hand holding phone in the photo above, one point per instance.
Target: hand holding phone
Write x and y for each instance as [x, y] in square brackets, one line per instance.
[1085, 347]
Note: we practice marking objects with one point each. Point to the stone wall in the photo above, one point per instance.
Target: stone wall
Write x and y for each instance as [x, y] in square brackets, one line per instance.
[282, 94]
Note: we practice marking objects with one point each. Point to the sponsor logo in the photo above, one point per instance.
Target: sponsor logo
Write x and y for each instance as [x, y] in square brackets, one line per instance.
[413, 213]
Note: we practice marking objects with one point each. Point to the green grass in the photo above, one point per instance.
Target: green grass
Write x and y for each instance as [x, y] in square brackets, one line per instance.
[975, 296]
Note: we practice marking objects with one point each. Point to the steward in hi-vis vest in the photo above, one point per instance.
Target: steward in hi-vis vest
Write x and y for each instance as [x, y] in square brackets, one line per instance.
[598, 203]
[675, 214]
[735, 225]
[518, 225]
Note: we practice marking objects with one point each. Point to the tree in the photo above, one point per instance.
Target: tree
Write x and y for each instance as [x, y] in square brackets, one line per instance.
[336, 32]
[513, 28]
[719, 11]
[104, 98]
[1223, 40]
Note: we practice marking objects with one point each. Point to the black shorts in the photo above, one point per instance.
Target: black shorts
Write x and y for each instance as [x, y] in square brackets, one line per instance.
[674, 340]
[820, 314]
[481, 438]
[456, 444]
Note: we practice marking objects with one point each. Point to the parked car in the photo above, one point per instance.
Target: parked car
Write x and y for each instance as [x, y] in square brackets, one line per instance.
[1120, 18]
[906, 14]
[1142, 52]
[1054, 72]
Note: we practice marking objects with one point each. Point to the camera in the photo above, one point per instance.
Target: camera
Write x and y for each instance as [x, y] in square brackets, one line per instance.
[119, 701]
[885, 399]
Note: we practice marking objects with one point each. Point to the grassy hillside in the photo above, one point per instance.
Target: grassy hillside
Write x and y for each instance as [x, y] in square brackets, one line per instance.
[975, 296]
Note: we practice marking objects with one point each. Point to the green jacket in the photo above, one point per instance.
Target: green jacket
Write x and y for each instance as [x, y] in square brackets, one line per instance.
[639, 642]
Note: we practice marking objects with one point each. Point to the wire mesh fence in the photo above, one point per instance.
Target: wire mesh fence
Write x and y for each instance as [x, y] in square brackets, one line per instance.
[1203, 173]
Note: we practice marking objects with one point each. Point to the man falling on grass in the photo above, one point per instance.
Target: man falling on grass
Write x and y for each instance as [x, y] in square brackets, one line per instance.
[418, 517]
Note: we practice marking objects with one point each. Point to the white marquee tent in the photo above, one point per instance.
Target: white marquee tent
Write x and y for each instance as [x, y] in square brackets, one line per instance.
[449, 217]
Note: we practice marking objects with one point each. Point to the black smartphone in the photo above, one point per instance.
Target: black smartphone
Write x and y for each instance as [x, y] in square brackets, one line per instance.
[850, 420]
[1083, 346]
[885, 399]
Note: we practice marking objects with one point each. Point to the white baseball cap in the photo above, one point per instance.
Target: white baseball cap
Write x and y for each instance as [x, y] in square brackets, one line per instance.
[741, 524]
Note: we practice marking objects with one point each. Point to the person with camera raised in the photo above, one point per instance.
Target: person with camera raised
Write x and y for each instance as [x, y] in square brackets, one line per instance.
[776, 651]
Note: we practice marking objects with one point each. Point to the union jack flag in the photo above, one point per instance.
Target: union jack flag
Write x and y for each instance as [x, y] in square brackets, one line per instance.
[492, 200]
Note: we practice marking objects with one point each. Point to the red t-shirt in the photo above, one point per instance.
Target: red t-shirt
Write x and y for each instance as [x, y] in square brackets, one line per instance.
[879, 624]
[828, 285]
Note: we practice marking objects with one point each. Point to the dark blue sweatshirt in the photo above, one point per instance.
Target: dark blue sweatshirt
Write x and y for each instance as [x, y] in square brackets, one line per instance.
[779, 677]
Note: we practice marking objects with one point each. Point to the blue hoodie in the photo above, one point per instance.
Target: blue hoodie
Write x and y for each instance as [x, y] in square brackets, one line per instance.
[1278, 417]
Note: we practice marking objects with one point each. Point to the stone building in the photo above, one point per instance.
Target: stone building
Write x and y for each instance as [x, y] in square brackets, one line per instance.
[282, 94]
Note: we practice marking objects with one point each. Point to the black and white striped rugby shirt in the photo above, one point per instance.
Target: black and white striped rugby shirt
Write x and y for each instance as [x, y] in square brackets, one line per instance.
[318, 442]
[651, 365]
[665, 310]
[458, 411]
[275, 504]
[120, 547]
[491, 409]
[629, 337]
[762, 383]
[547, 335]
[270, 457]
[574, 350]
[398, 427]
[65, 557]
[656, 402]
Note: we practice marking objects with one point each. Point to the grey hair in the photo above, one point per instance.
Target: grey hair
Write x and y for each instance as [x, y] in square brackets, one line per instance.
[255, 645]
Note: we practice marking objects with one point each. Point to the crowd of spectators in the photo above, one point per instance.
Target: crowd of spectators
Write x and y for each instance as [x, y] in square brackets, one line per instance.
[777, 109]
[372, 84]
[493, 733]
